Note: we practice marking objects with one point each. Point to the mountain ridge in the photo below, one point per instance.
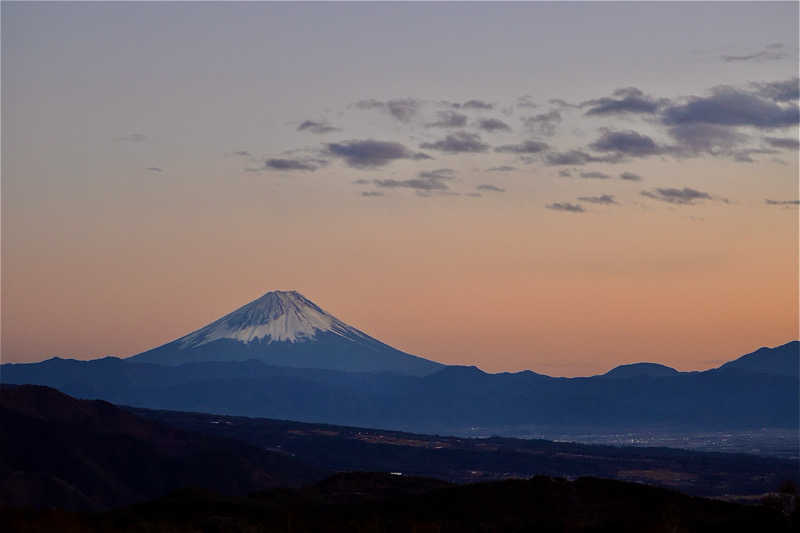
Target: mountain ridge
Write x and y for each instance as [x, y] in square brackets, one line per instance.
[454, 398]
[278, 315]
[781, 360]
[285, 328]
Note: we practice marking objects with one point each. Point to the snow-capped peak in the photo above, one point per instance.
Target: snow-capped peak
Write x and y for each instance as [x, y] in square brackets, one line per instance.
[285, 316]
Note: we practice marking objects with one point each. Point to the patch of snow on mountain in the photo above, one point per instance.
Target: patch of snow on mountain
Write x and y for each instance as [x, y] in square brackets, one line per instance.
[277, 316]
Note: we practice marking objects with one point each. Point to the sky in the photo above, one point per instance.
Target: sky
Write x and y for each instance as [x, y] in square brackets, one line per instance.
[561, 187]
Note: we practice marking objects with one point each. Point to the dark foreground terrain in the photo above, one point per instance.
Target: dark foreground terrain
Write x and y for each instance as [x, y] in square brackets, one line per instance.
[58, 451]
[87, 465]
[466, 460]
[386, 503]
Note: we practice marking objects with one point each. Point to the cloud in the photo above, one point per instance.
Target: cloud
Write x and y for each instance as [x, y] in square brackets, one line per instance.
[786, 143]
[763, 55]
[370, 104]
[526, 101]
[627, 100]
[477, 104]
[439, 173]
[630, 176]
[469, 104]
[606, 199]
[628, 142]
[132, 138]
[782, 202]
[493, 124]
[449, 119]
[572, 157]
[594, 175]
[155, 169]
[502, 168]
[578, 157]
[562, 103]
[433, 180]
[403, 109]
[566, 206]
[414, 183]
[371, 193]
[488, 187]
[429, 194]
[543, 123]
[369, 153]
[685, 196]
[289, 165]
[459, 142]
[771, 52]
[743, 156]
[696, 138]
[527, 147]
[319, 128]
[731, 107]
[779, 91]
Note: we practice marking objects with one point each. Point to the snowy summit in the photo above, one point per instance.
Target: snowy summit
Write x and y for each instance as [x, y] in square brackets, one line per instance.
[284, 328]
[276, 316]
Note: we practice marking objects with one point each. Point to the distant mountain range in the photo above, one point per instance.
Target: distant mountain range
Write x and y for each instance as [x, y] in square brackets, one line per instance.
[282, 356]
[284, 328]
[453, 399]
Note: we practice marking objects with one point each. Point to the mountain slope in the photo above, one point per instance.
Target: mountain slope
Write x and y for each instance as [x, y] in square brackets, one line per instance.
[781, 361]
[285, 328]
[80, 454]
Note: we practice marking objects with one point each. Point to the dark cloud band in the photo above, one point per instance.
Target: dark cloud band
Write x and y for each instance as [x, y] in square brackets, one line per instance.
[685, 196]
[605, 199]
[566, 206]
[459, 142]
[369, 153]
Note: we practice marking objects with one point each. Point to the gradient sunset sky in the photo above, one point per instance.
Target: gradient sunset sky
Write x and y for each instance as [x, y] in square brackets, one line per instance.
[557, 187]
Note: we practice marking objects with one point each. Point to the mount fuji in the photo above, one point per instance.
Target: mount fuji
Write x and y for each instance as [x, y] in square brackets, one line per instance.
[284, 328]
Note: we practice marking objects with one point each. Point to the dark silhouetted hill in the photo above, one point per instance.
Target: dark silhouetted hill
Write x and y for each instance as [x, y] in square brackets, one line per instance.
[390, 504]
[78, 454]
[636, 370]
[781, 361]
